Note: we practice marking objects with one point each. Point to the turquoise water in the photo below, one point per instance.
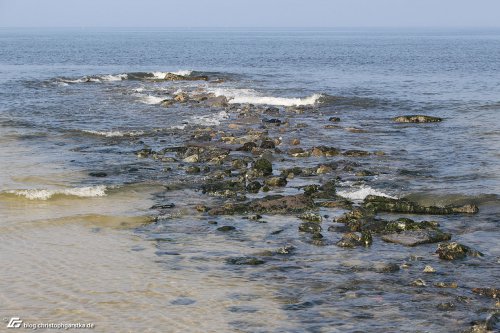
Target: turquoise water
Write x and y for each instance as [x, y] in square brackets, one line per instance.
[86, 100]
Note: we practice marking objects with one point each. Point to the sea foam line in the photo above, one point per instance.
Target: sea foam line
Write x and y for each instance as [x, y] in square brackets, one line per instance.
[242, 96]
[45, 194]
[361, 193]
[111, 134]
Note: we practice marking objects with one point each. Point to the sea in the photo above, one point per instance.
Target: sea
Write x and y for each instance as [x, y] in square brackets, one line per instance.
[82, 238]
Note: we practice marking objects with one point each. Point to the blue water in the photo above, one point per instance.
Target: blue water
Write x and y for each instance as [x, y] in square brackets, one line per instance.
[365, 77]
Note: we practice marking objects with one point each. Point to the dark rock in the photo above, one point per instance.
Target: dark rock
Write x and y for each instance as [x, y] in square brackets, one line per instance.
[488, 292]
[193, 169]
[384, 204]
[311, 189]
[263, 166]
[226, 228]
[217, 102]
[98, 174]
[416, 237]
[272, 121]
[274, 204]
[247, 146]
[352, 240]
[417, 119]
[267, 144]
[334, 119]
[177, 77]
[454, 250]
[325, 151]
[254, 187]
[276, 181]
[143, 153]
[245, 261]
[310, 227]
[164, 206]
[356, 153]
[386, 267]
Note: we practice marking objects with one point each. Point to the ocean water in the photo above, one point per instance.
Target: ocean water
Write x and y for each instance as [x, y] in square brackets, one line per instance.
[77, 104]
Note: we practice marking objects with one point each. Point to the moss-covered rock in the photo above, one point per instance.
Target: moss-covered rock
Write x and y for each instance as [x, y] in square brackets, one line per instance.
[263, 166]
[454, 250]
[417, 119]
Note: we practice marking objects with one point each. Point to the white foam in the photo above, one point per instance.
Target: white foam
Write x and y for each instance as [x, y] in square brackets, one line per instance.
[241, 96]
[111, 134]
[45, 194]
[209, 119]
[161, 75]
[361, 193]
[149, 99]
[117, 77]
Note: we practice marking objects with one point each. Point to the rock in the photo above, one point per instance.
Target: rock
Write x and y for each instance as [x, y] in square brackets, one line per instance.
[226, 228]
[295, 142]
[446, 306]
[355, 153]
[191, 159]
[386, 267]
[417, 119]
[181, 97]
[429, 269]
[143, 153]
[416, 237]
[193, 169]
[244, 261]
[298, 152]
[310, 227]
[276, 181]
[201, 208]
[217, 102]
[322, 169]
[311, 189]
[364, 173]
[177, 77]
[312, 217]
[247, 146]
[353, 239]
[446, 285]
[274, 204]
[267, 144]
[276, 122]
[253, 187]
[288, 249]
[490, 324]
[418, 283]
[334, 119]
[225, 188]
[168, 102]
[263, 166]
[98, 174]
[324, 151]
[454, 250]
[488, 292]
[384, 204]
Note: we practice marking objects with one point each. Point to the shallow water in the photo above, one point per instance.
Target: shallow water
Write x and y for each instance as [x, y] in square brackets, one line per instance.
[75, 200]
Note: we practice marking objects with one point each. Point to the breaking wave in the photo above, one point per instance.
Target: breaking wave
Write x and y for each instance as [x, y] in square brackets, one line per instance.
[111, 134]
[361, 193]
[45, 194]
[241, 96]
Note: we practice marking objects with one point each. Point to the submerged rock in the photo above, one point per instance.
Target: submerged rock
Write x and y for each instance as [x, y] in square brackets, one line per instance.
[310, 227]
[416, 237]
[385, 204]
[252, 261]
[353, 239]
[276, 181]
[454, 250]
[488, 292]
[263, 166]
[417, 119]
[226, 228]
[273, 204]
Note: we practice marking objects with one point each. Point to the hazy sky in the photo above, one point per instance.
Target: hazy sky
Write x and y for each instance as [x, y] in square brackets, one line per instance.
[249, 13]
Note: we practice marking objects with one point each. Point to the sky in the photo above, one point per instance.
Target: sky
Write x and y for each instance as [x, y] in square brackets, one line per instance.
[249, 13]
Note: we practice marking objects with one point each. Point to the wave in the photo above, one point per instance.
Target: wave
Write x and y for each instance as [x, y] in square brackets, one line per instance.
[45, 194]
[111, 134]
[210, 119]
[161, 75]
[149, 99]
[250, 96]
[361, 193]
